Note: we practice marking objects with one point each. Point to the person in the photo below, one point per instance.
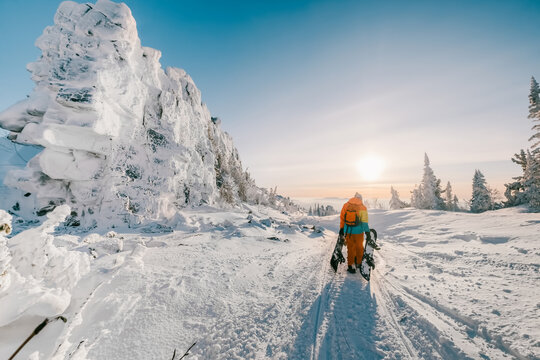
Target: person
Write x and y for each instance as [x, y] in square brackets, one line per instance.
[353, 225]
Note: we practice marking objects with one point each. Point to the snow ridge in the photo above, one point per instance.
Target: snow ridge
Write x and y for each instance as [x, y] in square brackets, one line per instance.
[122, 138]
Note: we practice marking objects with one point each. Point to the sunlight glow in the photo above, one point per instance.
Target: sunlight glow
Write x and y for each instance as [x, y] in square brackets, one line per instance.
[370, 167]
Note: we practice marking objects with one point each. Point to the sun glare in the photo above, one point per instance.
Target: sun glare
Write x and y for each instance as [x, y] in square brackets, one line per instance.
[370, 167]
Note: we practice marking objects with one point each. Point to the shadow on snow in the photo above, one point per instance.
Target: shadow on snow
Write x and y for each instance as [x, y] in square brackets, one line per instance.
[341, 323]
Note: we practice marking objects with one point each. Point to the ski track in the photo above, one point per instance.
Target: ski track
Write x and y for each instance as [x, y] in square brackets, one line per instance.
[468, 329]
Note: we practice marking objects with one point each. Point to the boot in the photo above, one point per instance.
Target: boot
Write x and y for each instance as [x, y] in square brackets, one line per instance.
[351, 269]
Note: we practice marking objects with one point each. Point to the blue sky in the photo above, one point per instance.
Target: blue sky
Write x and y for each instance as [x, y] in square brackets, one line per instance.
[308, 88]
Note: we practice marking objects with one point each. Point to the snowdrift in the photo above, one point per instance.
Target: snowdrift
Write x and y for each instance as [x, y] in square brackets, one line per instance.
[36, 276]
[122, 138]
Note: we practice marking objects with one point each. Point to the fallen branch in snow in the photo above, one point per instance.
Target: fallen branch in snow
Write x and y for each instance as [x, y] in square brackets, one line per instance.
[35, 332]
[186, 353]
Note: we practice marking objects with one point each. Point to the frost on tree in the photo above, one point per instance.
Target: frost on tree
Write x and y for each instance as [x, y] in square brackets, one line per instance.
[428, 194]
[395, 202]
[531, 183]
[321, 210]
[451, 201]
[515, 191]
[534, 115]
[481, 196]
[122, 138]
[525, 189]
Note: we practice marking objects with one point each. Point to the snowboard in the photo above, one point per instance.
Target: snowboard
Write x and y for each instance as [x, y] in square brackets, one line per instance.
[337, 255]
[368, 261]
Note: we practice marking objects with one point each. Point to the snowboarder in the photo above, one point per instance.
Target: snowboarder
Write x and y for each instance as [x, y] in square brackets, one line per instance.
[353, 225]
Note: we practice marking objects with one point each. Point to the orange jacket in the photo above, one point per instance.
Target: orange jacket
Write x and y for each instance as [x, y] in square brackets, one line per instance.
[357, 205]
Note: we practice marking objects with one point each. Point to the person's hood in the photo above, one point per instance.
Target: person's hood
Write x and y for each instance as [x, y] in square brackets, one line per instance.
[356, 201]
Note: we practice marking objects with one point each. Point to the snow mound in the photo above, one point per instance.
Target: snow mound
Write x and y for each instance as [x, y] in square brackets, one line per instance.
[122, 138]
[36, 276]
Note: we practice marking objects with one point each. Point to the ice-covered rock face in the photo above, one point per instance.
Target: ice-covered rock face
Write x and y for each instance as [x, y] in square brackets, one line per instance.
[123, 139]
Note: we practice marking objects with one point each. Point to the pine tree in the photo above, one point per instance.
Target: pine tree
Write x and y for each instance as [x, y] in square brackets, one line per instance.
[455, 204]
[481, 197]
[330, 210]
[531, 183]
[416, 197]
[395, 202]
[534, 114]
[515, 192]
[450, 199]
[430, 189]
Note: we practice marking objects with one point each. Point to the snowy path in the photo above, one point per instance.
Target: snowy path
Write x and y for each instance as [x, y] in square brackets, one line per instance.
[443, 289]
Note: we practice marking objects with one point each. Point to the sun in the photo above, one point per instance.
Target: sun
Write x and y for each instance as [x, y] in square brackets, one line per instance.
[370, 167]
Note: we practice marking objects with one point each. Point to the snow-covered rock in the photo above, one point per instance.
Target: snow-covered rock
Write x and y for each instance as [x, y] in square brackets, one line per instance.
[123, 139]
[36, 277]
[5, 256]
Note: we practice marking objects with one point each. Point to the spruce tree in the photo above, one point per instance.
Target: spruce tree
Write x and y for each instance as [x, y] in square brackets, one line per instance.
[534, 115]
[416, 197]
[395, 202]
[449, 198]
[430, 189]
[531, 183]
[481, 196]
[455, 204]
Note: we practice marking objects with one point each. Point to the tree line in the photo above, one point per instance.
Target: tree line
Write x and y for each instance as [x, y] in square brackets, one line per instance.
[523, 190]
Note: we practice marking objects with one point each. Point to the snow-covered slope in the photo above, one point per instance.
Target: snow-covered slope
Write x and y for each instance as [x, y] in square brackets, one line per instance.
[123, 140]
[256, 284]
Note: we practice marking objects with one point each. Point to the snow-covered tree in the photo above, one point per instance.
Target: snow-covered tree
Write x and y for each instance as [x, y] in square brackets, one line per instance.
[534, 115]
[395, 202]
[416, 196]
[450, 200]
[329, 210]
[481, 196]
[455, 204]
[515, 192]
[428, 194]
[531, 182]
[322, 210]
[525, 188]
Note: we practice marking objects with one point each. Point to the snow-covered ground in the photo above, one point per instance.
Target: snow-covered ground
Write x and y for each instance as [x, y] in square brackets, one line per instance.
[253, 283]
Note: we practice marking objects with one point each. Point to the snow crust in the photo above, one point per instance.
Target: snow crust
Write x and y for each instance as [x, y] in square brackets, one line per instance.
[123, 139]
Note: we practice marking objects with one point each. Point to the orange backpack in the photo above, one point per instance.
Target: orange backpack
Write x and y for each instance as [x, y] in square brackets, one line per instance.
[351, 217]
